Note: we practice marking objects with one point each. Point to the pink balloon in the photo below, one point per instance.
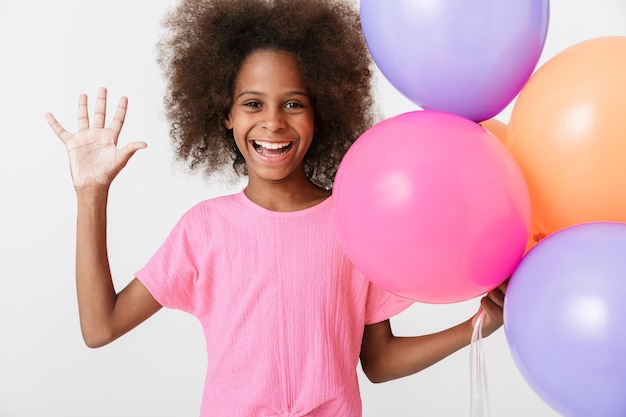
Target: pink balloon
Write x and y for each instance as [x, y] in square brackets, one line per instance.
[432, 207]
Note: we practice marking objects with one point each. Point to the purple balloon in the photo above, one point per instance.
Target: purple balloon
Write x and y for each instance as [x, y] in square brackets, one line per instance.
[565, 319]
[469, 58]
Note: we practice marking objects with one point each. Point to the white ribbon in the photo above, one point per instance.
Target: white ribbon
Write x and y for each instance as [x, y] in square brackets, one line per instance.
[479, 400]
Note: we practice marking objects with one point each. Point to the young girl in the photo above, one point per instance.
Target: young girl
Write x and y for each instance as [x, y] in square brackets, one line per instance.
[279, 89]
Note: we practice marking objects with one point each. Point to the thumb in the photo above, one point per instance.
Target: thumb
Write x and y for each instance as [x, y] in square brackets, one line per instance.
[129, 150]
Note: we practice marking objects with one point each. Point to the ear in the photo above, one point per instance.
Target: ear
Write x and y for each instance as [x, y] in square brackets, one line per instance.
[228, 123]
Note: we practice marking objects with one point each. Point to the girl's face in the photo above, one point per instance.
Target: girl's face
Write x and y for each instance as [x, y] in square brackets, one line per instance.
[271, 116]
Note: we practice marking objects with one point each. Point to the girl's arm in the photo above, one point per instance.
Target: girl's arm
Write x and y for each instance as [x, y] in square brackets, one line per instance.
[95, 160]
[385, 357]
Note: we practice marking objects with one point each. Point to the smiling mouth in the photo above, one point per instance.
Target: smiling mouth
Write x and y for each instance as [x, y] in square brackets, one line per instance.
[271, 149]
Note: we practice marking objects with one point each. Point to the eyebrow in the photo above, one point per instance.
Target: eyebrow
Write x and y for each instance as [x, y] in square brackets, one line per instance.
[288, 93]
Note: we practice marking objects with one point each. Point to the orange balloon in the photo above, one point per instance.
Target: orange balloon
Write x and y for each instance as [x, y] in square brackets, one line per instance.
[495, 127]
[568, 134]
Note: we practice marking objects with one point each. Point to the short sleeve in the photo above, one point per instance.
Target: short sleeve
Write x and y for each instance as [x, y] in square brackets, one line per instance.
[382, 304]
[172, 273]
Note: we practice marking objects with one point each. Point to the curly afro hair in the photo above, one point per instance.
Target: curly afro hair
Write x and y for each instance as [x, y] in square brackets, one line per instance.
[202, 53]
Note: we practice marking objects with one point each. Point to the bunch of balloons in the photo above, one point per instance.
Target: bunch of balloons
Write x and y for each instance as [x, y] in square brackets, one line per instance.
[435, 204]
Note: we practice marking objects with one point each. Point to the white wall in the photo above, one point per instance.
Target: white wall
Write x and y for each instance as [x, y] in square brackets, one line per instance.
[50, 52]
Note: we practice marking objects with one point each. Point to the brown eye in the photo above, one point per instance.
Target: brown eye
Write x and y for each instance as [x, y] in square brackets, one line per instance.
[294, 105]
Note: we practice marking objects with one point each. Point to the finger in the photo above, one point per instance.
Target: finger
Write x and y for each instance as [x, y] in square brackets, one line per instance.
[490, 308]
[502, 287]
[83, 116]
[120, 115]
[129, 150]
[62, 134]
[497, 297]
[101, 108]
[494, 316]
[133, 147]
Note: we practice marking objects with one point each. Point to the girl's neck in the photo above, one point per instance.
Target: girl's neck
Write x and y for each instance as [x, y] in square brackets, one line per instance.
[285, 196]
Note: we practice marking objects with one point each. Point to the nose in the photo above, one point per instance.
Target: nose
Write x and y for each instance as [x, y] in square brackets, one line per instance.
[274, 119]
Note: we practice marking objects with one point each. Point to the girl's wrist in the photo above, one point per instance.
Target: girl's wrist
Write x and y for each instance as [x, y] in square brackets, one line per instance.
[92, 193]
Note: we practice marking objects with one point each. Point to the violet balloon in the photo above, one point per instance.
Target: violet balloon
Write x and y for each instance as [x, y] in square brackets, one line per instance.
[565, 319]
[470, 58]
[432, 207]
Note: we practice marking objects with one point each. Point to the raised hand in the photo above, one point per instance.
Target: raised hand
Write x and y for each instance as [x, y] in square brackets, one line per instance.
[95, 159]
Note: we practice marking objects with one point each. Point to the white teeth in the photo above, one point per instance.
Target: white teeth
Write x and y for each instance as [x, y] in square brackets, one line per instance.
[271, 145]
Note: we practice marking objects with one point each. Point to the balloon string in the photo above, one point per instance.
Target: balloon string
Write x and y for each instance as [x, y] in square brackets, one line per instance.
[479, 399]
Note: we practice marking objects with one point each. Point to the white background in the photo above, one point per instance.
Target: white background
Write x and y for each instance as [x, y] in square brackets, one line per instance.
[50, 52]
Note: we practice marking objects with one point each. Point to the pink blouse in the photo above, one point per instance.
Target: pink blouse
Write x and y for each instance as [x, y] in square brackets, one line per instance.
[282, 307]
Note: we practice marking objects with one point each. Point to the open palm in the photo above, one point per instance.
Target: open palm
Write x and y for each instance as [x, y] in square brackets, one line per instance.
[94, 157]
